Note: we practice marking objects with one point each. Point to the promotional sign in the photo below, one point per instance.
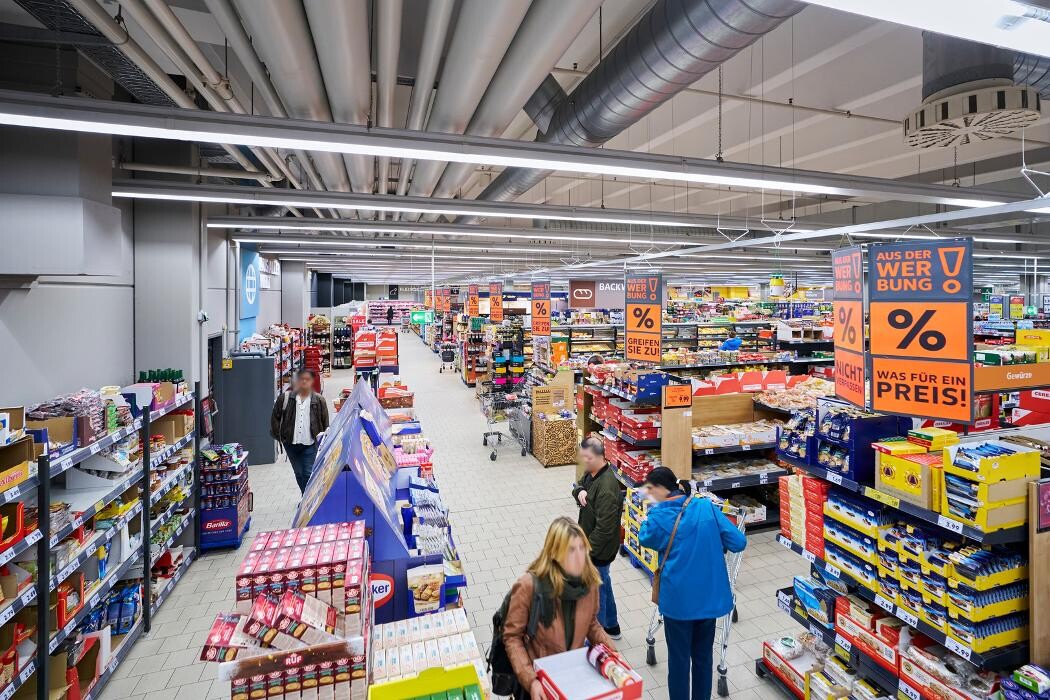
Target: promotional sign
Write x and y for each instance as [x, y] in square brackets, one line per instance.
[678, 396]
[848, 316]
[446, 299]
[1016, 307]
[392, 291]
[428, 299]
[250, 265]
[922, 329]
[541, 309]
[995, 307]
[496, 302]
[595, 294]
[473, 301]
[643, 318]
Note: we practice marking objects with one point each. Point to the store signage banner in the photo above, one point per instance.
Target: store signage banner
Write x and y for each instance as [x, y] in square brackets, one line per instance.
[249, 283]
[848, 315]
[595, 294]
[421, 317]
[995, 307]
[643, 319]
[428, 298]
[446, 300]
[473, 300]
[496, 302]
[392, 291]
[1016, 307]
[921, 354]
[541, 309]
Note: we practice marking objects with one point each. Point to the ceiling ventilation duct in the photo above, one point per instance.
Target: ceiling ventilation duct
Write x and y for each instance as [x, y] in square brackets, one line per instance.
[969, 93]
[675, 44]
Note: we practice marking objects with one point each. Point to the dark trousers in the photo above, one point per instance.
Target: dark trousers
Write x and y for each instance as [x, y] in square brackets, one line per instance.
[302, 459]
[690, 643]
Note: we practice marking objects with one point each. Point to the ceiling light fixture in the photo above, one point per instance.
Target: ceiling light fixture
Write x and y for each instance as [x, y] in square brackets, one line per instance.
[146, 121]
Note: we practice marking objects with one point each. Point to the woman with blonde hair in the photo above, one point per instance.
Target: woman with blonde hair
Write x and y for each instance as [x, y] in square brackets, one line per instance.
[567, 586]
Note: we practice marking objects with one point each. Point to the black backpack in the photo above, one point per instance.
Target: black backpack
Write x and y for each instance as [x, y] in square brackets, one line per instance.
[504, 680]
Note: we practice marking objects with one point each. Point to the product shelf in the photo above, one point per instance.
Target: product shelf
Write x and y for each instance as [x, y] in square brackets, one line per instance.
[79, 455]
[96, 595]
[997, 659]
[763, 671]
[730, 449]
[118, 655]
[168, 484]
[742, 481]
[188, 555]
[1006, 536]
[20, 546]
[159, 459]
[158, 522]
[92, 545]
[93, 500]
[786, 602]
[28, 669]
[167, 544]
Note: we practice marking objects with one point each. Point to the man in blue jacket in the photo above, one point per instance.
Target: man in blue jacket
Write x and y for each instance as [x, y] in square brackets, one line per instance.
[694, 583]
[731, 343]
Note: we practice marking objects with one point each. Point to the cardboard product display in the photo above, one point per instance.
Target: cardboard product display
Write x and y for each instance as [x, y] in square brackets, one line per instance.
[570, 676]
[554, 441]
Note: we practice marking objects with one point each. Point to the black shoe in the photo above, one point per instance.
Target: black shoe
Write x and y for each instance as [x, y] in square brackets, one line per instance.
[613, 632]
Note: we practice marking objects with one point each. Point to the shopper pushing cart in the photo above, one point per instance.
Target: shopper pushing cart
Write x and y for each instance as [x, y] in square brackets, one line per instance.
[699, 557]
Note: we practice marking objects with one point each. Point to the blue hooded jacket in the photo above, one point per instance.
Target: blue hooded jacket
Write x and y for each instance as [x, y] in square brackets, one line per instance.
[694, 584]
[731, 344]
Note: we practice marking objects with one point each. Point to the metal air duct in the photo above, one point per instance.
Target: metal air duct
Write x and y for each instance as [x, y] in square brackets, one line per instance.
[673, 46]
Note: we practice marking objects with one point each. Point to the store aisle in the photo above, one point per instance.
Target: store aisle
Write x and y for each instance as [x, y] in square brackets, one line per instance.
[499, 510]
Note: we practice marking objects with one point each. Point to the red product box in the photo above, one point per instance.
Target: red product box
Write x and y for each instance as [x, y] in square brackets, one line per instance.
[815, 489]
[306, 618]
[229, 639]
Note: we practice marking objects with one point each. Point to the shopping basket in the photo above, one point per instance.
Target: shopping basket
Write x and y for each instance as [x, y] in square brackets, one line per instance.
[725, 623]
[494, 405]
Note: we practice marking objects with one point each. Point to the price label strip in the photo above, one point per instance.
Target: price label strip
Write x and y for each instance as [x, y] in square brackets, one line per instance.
[835, 478]
[950, 524]
[907, 617]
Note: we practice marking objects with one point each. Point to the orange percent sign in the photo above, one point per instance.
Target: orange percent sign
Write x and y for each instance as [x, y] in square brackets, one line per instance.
[849, 325]
[643, 317]
[936, 330]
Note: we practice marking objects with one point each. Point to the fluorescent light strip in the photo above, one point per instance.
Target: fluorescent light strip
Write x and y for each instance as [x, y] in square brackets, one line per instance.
[264, 197]
[920, 237]
[382, 243]
[1005, 23]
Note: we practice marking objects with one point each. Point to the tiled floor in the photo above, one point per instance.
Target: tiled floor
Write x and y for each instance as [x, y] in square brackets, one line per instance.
[499, 510]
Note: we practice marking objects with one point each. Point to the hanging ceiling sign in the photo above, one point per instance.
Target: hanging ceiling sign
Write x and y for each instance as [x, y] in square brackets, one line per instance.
[428, 299]
[848, 315]
[473, 300]
[595, 294]
[541, 309]
[921, 354]
[643, 318]
[496, 302]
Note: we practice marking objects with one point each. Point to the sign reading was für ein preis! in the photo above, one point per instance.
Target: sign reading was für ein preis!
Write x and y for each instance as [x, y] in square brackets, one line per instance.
[643, 317]
[921, 329]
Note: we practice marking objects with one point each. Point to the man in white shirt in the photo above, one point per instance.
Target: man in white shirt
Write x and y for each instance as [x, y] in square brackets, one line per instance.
[298, 418]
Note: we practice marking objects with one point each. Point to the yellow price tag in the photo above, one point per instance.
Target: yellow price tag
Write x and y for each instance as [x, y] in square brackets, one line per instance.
[881, 497]
[227, 363]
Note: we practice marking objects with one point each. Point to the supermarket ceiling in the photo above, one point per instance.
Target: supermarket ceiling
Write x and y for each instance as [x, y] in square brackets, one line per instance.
[809, 88]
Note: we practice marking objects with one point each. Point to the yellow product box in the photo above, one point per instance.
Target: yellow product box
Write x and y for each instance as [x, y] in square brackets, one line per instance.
[997, 516]
[933, 438]
[1020, 463]
[1033, 338]
[986, 583]
[991, 493]
[916, 478]
[963, 632]
[934, 617]
[820, 686]
[968, 604]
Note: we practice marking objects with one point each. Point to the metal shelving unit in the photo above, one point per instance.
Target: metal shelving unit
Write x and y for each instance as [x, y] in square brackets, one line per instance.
[137, 565]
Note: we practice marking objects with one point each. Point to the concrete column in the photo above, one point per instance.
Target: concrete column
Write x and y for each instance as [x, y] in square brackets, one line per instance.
[167, 271]
[294, 294]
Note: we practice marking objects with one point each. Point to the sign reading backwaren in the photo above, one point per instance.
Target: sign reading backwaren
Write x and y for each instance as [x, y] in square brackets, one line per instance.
[643, 317]
[922, 329]
[848, 267]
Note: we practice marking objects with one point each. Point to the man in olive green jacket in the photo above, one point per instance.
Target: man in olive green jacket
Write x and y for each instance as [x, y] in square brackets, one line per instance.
[600, 499]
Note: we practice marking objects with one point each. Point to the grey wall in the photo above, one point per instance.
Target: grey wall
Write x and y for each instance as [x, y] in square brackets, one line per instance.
[294, 294]
[64, 333]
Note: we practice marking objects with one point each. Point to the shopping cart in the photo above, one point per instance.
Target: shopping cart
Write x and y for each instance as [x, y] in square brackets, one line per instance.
[494, 405]
[519, 421]
[725, 623]
[448, 357]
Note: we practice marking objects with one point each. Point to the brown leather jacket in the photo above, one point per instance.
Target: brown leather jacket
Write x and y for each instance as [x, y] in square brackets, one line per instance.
[548, 640]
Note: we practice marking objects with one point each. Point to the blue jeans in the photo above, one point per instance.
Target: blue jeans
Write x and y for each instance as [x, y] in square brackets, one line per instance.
[302, 459]
[606, 600]
[689, 643]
